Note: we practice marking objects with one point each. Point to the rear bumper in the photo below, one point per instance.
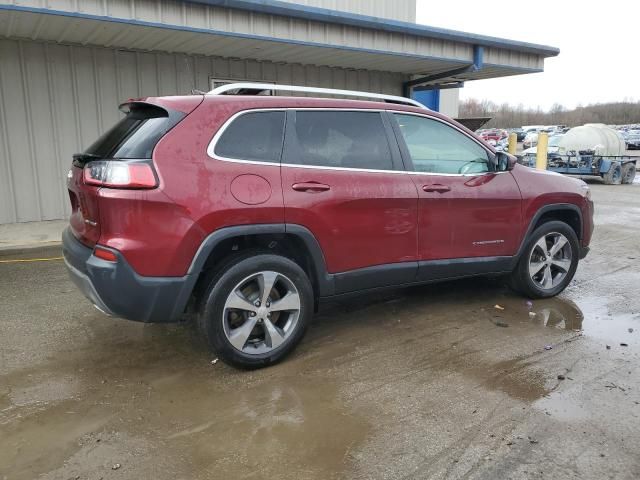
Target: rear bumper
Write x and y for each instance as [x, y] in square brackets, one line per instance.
[117, 290]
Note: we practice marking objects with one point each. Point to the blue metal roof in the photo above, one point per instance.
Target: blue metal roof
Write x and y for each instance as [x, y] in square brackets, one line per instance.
[276, 7]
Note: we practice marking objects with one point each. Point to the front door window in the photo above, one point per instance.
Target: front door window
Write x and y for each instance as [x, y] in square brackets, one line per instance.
[438, 148]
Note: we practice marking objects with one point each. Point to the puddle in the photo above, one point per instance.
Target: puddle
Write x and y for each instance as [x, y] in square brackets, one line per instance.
[152, 390]
[595, 385]
[455, 331]
[557, 313]
[613, 328]
[592, 316]
[258, 429]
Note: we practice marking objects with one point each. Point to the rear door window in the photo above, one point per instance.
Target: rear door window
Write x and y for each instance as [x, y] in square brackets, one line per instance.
[340, 139]
[255, 136]
[136, 135]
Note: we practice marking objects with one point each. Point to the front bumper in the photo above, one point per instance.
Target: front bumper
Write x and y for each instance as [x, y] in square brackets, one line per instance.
[117, 290]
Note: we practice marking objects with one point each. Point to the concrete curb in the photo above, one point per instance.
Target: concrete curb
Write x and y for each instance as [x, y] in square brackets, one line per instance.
[27, 248]
[15, 237]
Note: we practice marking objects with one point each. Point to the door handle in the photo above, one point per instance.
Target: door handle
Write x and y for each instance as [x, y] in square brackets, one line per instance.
[436, 187]
[310, 187]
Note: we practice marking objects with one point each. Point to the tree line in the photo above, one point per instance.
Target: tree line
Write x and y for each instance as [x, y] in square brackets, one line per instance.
[508, 116]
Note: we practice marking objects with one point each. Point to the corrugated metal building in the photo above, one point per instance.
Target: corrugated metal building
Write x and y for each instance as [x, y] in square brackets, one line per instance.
[65, 65]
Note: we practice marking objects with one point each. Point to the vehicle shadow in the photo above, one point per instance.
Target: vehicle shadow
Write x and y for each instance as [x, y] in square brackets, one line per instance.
[477, 292]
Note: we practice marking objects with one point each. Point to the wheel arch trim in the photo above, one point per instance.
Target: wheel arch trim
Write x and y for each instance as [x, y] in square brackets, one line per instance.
[554, 207]
[324, 280]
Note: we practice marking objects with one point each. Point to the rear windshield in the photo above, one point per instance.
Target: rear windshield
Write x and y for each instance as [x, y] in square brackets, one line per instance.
[136, 134]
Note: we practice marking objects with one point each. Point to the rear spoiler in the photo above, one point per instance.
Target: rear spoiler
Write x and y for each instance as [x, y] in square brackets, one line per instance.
[184, 104]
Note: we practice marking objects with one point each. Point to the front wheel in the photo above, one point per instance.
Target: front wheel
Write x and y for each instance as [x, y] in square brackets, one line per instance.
[548, 262]
[256, 310]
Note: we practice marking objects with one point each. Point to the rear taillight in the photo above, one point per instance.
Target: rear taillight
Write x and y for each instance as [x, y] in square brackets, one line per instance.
[120, 174]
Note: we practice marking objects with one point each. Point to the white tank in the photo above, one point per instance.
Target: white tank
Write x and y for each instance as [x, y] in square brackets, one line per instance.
[595, 137]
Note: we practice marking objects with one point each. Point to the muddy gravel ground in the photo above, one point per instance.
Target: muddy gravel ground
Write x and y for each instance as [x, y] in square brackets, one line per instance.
[430, 382]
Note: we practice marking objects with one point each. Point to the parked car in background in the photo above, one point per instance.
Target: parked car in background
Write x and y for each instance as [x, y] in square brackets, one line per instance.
[502, 145]
[241, 207]
[530, 139]
[632, 139]
[493, 136]
[552, 149]
[530, 128]
[555, 129]
[520, 133]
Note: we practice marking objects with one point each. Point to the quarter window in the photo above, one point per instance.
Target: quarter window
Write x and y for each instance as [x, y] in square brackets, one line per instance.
[253, 136]
[341, 139]
[438, 148]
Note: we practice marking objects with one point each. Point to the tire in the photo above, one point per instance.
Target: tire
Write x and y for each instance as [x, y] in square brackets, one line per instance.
[614, 175]
[263, 333]
[628, 173]
[561, 265]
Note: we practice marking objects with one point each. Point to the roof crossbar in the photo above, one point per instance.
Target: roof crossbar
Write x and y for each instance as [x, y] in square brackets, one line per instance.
[260, 87]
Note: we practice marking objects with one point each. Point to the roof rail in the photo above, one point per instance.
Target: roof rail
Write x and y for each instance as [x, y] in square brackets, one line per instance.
[221, 90]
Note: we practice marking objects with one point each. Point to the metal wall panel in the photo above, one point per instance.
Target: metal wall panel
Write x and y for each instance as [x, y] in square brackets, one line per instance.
[403, 10]
[499, 56]
[56, 99]
[189, 15]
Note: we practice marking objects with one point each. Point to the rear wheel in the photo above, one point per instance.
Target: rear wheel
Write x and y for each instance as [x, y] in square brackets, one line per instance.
[256, 310]
[628, 172]
[614, 175]
[548, 262]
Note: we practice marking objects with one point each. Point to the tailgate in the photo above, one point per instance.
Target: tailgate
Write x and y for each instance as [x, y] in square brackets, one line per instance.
[132, 139]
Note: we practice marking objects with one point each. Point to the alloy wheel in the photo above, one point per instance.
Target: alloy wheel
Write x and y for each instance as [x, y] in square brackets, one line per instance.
[550, 260]
[261, 312]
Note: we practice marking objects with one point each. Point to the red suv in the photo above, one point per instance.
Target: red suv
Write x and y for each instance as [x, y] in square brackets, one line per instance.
[254, 208]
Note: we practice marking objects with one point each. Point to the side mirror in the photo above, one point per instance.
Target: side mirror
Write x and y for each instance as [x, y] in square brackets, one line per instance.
[504, 162]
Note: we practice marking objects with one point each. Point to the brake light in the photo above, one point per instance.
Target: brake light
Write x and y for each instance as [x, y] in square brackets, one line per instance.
[120, 174]
[105, 254]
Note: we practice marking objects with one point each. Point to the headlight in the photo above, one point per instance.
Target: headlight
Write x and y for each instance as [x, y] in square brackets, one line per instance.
[586, 190]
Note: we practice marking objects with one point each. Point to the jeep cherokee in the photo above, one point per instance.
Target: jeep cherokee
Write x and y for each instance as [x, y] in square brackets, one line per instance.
[253, 208]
